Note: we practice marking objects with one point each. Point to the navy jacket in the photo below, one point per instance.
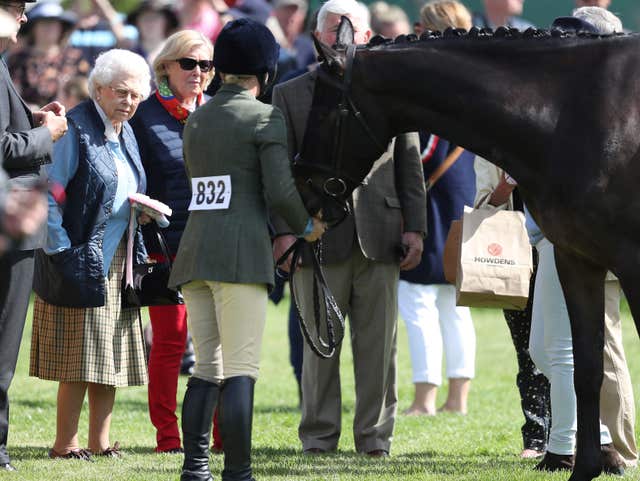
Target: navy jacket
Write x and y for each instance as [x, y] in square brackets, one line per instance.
[74, 277]
[445, 203]
[159, 138]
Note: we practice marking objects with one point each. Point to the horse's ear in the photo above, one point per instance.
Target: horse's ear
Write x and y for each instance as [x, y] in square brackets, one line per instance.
[331, 57]
[346, 34]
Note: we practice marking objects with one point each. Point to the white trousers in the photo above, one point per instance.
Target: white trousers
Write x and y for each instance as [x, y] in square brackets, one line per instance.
[434, 323]
[551, 349]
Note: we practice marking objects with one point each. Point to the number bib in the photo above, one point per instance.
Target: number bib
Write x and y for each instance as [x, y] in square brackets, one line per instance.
[210, 193]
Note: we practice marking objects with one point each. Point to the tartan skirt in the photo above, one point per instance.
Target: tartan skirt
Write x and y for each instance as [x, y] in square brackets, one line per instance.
[102, 345]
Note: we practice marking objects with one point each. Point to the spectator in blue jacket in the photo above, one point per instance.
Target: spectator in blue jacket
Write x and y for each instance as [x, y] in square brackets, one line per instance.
[82, 336]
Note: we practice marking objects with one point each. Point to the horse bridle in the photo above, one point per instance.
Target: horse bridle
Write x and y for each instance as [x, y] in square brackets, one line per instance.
[336, 185]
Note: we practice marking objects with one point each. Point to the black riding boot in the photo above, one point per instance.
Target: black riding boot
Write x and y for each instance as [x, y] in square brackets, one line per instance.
[197, 414]
[236, 415]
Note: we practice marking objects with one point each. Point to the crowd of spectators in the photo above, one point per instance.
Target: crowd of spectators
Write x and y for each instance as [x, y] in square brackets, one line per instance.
[64, 59]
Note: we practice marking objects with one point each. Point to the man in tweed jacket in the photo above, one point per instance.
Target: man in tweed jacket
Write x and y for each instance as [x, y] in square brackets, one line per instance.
[361, 263]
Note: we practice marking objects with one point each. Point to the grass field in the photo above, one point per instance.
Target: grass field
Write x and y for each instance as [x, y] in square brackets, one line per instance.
[480, 446]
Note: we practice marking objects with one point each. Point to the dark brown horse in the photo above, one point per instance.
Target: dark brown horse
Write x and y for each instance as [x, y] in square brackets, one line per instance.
[560, 113]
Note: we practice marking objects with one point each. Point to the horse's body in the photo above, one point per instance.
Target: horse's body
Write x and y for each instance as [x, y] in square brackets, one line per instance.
[562, 116]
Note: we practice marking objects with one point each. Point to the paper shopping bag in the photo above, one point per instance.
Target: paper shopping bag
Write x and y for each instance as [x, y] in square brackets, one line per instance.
[495, 261]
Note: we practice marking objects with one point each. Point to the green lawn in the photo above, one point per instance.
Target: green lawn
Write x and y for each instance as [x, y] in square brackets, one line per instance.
[480, 446]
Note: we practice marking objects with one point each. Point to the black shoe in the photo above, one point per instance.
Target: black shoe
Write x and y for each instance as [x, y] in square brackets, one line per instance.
[236, 416]
[378, 453]
[197, 415]
[7, 467]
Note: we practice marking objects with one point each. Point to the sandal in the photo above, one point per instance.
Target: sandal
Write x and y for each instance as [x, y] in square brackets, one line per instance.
[111, 452]
[82, 454]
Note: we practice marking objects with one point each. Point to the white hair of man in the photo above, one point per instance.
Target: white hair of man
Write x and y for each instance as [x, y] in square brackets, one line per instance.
[116, 64]
[356, 11]
[603, 20]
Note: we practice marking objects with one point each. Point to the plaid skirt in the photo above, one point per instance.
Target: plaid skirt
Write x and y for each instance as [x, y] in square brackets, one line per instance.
[102, 345]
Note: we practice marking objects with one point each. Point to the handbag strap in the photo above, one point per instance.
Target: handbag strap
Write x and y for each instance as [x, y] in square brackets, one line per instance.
[442, 168]
[162, 242]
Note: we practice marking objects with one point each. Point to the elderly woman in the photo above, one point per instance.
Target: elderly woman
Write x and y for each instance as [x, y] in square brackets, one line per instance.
[183, 69]
[224, 261]
[82, 337]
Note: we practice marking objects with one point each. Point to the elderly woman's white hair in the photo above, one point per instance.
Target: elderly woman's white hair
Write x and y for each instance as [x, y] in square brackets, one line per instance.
[356, 11]
[602, 19]
[118, 64]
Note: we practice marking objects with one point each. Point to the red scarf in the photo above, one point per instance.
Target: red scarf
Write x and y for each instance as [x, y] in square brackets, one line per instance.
[171, 104]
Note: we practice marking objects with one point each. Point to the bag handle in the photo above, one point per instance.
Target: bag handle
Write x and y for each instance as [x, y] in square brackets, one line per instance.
[162, 242]
[442, 168]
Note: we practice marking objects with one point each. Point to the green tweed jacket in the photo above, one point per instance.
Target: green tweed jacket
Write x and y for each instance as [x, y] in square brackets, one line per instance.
[235, 152]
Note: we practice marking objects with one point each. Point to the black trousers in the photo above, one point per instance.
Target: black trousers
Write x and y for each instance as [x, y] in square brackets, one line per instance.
[535, 397]
[16, 278]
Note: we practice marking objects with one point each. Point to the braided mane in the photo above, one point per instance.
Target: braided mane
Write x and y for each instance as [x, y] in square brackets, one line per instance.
[500, 32]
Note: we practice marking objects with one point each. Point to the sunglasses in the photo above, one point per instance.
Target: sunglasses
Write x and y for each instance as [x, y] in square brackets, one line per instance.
[190, 64]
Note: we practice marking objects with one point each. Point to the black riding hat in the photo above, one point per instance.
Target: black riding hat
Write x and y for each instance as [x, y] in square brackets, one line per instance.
[245, 46]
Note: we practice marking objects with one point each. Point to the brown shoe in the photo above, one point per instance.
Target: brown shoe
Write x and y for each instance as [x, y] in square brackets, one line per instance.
[612, 462]
[111, 452]
[82, 454]
[556, 462]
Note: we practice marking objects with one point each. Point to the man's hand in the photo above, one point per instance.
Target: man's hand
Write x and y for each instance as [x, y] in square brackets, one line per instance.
[413, 241]
[25, 210]
[503, 190]
[57, 125]
[319, 228]
[280, 246]
[56, 108]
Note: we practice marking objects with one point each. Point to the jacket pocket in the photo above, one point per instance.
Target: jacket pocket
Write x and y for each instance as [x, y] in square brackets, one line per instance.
[392, 202]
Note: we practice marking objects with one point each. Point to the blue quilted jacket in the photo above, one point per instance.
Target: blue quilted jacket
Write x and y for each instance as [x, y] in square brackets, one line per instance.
[74, 277]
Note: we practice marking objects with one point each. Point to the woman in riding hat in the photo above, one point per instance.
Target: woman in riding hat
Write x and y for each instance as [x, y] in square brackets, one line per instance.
[235, 152]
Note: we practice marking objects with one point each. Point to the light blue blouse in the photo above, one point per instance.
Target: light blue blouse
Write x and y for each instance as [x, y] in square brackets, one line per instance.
[62, 170]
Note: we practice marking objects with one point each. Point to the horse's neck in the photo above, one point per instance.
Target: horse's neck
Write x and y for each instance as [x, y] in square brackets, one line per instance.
[500, 98]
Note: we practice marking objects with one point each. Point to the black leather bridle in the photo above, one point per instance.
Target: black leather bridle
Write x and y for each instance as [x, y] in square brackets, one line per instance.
[335, 186]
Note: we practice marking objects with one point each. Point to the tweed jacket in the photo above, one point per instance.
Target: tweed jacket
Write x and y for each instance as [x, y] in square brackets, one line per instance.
[391, 199]
[25, 148]
[238, 136]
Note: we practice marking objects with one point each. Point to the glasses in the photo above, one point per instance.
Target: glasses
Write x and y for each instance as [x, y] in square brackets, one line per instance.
[123, 94]
[190, 64]
[17, 8]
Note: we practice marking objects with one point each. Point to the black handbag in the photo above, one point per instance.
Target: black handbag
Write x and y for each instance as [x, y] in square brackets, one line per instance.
[150, 281]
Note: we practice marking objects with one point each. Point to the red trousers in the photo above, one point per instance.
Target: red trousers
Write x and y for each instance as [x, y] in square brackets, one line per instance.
[169, 324]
